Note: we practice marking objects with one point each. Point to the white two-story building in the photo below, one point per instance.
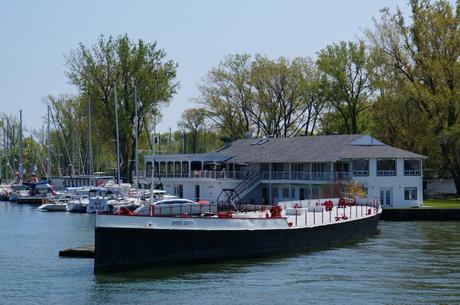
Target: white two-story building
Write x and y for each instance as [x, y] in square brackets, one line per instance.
[283, 169]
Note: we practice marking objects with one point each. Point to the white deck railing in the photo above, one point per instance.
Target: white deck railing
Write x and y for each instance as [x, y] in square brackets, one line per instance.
[360, 173]
[412, 172]
[204, 174]
[386, 172]
[307, 176]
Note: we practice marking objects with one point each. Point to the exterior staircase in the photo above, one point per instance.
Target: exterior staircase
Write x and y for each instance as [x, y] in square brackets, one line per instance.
[243, 188]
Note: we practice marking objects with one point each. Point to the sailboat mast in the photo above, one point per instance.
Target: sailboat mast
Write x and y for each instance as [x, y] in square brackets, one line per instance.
[152, 185]
[90, 148]
[21, 171]
[3, 156]
[136, 118]
[118, 136]
[48, 131]
[5, 152]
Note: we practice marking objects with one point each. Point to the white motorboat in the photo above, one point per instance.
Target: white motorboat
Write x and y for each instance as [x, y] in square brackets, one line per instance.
[53, 207]
[80, 201]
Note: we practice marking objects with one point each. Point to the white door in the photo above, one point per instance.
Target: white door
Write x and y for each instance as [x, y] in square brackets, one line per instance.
[386, 197]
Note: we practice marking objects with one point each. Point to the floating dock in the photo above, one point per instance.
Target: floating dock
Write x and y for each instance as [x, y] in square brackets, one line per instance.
[78, 252]
[420, 214]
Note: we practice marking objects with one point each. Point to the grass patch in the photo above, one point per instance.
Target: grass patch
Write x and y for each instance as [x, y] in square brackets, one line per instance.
[442, 203]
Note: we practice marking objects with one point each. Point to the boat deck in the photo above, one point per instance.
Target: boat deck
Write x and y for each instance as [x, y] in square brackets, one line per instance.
[290, 218]
[317, 216]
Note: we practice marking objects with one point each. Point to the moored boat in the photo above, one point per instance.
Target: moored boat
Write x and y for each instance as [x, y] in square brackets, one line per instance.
[131, 240]
[36, 193]
[5, 192]
[79, 201]
[53, 207]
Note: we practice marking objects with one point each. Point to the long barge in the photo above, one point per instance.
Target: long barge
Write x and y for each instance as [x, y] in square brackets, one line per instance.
[133, 241]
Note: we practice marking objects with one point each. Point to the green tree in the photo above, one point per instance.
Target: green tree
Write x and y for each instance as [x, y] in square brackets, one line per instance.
[267, 97]
[193, 120]
[126, 64]
[10, 128]
[226, 95]
[423, 56]
[346, 81]
[281, 101]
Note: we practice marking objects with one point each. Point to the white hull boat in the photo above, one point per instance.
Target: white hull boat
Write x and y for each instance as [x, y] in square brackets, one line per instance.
[53, 207]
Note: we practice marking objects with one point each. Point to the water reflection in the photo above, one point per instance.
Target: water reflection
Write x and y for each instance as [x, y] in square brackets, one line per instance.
[229, 266]
[405, 263]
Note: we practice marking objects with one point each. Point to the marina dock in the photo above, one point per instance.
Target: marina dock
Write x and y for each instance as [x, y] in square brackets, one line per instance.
[420, 214]
[78, 252]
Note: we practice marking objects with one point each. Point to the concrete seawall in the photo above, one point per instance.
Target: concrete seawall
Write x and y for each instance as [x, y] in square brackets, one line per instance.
[420, 214]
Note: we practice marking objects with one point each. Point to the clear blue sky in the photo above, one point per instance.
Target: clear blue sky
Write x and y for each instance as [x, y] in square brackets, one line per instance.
[35, 36]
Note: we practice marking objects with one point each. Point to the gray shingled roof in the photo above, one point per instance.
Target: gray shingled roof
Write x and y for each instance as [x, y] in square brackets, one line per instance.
[310, 149]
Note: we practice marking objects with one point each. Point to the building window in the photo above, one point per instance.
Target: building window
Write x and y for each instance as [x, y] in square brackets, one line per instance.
[275, 192]
[386, 167]
[410, 193]
[277, 167]
[177, 168]
[314, 192]
[360, 167]
[170, 167]
[162, 167]
[317, 167]
[184, 169]
[293, 193]
[148, 169]
[195, 166]
[412, 167]
[285, 193]
[297, 167]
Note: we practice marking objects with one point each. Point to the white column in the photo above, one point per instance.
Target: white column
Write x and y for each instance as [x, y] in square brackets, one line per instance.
[270, 199]
[420, 192]
[332, 170]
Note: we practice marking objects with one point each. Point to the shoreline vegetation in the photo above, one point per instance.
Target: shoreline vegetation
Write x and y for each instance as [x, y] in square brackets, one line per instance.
[441, 203]
[396, 83]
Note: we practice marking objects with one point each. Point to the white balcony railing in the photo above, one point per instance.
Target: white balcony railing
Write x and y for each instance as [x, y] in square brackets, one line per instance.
[386, 172]
[203, 174]
[307, 176]
[412, 172]
[360, 173]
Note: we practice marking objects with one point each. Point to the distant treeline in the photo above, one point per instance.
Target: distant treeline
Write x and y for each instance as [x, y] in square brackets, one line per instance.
[399, 83]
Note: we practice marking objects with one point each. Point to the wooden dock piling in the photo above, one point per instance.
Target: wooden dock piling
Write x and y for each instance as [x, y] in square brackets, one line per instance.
[78, 252]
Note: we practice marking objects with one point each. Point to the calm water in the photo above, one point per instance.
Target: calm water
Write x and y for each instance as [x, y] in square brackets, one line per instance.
[404, 263]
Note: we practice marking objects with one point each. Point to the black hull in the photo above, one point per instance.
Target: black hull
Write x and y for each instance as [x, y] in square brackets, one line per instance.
[123, 248]
[35, 201]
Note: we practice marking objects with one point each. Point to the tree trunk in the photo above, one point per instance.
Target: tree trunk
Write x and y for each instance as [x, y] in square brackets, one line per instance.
[354, 123]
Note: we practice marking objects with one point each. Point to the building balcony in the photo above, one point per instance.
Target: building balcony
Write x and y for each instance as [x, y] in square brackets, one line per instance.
[360, 173]
[412, 172]
[306, 176]
[386, 172]
[202, 174]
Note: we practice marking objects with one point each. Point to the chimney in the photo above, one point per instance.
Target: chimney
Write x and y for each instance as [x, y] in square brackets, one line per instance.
[227, 141]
